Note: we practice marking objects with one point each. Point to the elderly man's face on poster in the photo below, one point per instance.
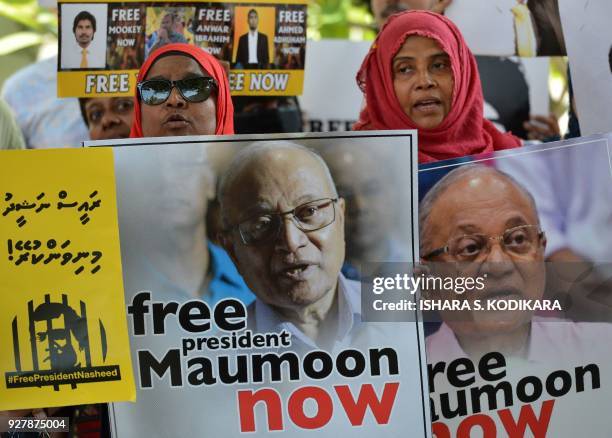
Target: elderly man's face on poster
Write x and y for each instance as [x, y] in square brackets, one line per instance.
[483, 225]
[289, 260]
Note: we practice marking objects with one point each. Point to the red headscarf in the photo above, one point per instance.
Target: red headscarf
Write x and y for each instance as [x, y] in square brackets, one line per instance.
[225, 108]
[464, 130]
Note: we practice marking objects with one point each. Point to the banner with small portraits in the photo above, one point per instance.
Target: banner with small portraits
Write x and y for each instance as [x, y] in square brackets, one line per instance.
[63, 323]
[102, 45]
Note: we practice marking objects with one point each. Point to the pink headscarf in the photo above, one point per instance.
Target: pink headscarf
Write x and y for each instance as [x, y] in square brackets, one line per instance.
[464, 130]
[225, 108]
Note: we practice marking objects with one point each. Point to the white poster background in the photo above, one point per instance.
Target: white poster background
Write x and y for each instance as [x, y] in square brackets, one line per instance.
[331, 100]
[486, 25]
[536, 73]
[588, 37]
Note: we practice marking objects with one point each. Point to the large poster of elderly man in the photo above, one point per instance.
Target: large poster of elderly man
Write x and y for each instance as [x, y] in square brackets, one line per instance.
[513, 27]
[243, 261]
[534, 225]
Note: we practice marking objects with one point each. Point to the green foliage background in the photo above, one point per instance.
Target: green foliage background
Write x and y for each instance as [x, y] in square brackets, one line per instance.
[25, 27]
[347, 19]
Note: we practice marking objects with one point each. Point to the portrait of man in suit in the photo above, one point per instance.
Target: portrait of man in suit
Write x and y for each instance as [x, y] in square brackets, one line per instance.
[253, 49]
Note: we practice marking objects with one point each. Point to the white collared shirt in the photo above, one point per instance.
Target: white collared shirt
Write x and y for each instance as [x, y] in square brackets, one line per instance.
[253, 47]
[72, 53]
[551, 340]
[349, 317]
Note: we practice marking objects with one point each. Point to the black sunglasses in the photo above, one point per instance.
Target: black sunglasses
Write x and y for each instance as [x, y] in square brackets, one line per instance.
[157, 91]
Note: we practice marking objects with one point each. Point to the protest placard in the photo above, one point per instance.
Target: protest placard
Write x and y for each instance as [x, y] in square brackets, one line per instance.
[297, 235]
[63, 328]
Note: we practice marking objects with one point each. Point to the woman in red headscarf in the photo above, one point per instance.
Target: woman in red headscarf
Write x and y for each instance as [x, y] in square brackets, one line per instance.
[182, 90]
[420, 74]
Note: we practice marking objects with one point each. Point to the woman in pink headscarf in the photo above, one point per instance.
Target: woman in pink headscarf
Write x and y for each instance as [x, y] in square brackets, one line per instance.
[420, 74]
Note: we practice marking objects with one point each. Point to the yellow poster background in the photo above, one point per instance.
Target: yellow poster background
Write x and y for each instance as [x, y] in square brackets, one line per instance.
[59, 322]
[266, 25]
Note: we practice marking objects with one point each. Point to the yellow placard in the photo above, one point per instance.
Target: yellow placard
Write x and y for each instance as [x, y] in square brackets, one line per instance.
[266, 82]
[96, 84]
[63, 327]
[123, 83]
